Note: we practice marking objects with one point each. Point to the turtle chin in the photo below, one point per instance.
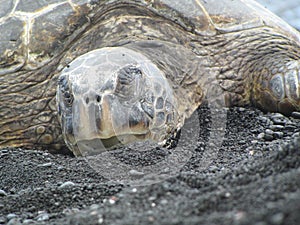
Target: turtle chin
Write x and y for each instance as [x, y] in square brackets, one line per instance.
[88, 141]
[95, 146]
[97, 127]
[103, 125]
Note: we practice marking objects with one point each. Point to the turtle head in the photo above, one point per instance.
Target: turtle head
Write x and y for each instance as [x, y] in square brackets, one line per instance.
[113, 96]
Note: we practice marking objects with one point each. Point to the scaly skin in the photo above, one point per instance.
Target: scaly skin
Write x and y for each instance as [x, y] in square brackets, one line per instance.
[31, 49]
[236, 65]
[28, 110]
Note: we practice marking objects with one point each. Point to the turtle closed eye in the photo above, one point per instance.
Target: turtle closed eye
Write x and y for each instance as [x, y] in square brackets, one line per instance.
[128, 74]
[68, 98]
[65, 90]
[127, 82]
[63, 83]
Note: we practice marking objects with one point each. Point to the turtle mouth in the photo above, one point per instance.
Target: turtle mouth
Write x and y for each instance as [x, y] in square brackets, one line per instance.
[95, 128]
[104, 125]
[96, 145]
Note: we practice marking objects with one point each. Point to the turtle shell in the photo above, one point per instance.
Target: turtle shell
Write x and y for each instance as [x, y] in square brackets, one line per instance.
[222, 16]
[32, 32]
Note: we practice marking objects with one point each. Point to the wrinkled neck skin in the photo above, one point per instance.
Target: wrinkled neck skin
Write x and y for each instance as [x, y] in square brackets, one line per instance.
[28, 110]
[255, 67]
[226, 69]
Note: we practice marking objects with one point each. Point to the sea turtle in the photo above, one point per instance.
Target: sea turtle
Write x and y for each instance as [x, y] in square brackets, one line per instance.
[136, 69]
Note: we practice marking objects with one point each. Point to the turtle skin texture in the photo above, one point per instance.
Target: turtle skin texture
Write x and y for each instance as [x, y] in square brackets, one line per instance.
[231, 53]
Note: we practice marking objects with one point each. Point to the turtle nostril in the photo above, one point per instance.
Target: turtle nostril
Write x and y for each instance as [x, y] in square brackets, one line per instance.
[68, 98]
[98, 98]
[67, 95]
[87, 100]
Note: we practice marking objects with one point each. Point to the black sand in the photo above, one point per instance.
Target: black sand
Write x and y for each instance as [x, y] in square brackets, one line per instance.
[252, 178]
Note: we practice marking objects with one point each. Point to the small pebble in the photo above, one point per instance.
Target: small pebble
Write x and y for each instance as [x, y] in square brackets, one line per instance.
[112, 200]
[100, 219]
[2, 193]
[23, 191]
[152, 198]
[28, 221]
[93, 213]
[3, 154]
[11, 216]
[46, 164]
[213, 168]
[69, 211]
[295, 115]
[241, 109]
[264, 119]
[239, 215]
[276, 127]
[4, 151]
[89, 187]
[14, 221]
[277, 115]
[151, 219]
[261, 136]
[2, 220]
[277, 218]
[278, 134]
[42, 216]
[290, 127]
[94, 207]
[280, 121]
[12, 190]
[268, 137]
[251, 152]
[66, 184]
[163, 201]
[57, 203]
[242, 142]
[227, 194]
[268, 131]
[135, 173]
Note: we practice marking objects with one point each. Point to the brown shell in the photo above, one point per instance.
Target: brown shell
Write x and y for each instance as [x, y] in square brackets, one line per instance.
[32, 32]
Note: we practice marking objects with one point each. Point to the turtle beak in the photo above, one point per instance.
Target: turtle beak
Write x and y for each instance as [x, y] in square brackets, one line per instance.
[88, 127]
[93, 120]
[101, 126]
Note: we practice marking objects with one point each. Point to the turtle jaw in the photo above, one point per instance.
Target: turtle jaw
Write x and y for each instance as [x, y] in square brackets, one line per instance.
[97, 143]
[97, 127]
[95, 146]
[102, 126]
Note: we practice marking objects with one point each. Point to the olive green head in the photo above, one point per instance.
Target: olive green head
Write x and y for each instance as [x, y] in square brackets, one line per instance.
[114, 96]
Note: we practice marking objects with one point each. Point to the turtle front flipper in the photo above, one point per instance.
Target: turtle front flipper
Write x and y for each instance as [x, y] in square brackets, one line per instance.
[277, 88]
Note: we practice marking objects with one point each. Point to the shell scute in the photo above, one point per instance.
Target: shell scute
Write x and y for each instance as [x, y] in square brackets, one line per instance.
[35, 31]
